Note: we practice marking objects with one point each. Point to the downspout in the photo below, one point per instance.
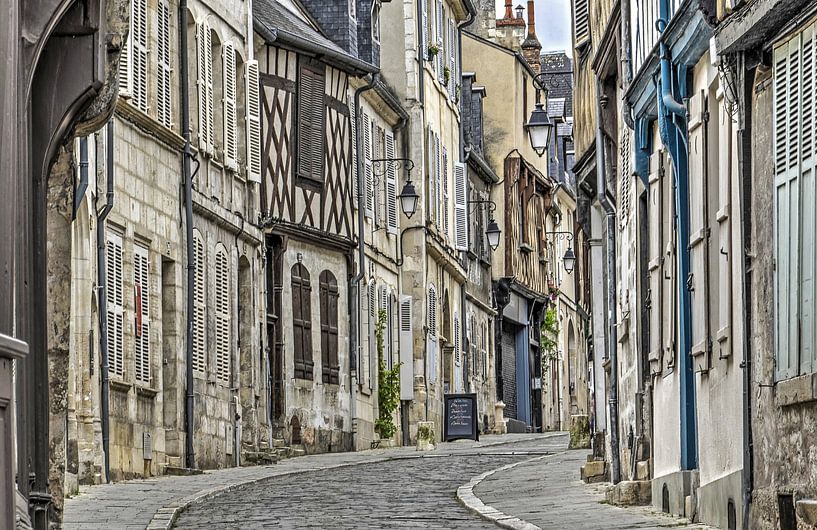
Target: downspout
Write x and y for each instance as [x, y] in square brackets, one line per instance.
[187, 155]
[670, 111]
[102, 299]
[354, 288]
[626, 62]
[612, 340]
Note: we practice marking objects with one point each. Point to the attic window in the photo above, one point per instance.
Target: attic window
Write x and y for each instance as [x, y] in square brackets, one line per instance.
[581, 22]
[376, 22]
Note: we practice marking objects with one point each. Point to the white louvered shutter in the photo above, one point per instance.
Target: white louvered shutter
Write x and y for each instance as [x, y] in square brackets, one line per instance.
[253, 121]
[125, 78]
[440, 41]
[163, 87]
[222, 317]
[369, 176]
[230, 117]
[424, 35]
[698, 230]
[139, 54]
[376, 194]
[373, 317]
[787, 92]
[115, 302]
[438, 182]
[391, 187]
[431, 201]
[432, 334]
[202, 47]
[141, 296]
[457, 357]
[655, 268]
[446, 197]
[406, 349]
[461, 206]
[199, 308]
[353, 127]
[452, 58]
[581, 26]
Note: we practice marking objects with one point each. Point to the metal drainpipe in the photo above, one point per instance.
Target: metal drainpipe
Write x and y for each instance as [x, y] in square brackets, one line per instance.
[354, 290]
[187, 155]
[626, 61]
[612, 340]
[102, 293]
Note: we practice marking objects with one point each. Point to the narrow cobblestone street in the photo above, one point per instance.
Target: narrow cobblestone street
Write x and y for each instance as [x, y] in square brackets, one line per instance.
[391, 488]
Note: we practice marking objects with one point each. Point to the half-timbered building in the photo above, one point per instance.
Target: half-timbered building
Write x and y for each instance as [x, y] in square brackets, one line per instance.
[310, 227]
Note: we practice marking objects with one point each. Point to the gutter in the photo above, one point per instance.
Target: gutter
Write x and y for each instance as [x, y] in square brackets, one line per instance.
[611, 335]
[187, 156]
[102, 298]
[354, 287]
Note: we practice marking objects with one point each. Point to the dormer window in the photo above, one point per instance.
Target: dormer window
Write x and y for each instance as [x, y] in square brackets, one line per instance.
[376, 22]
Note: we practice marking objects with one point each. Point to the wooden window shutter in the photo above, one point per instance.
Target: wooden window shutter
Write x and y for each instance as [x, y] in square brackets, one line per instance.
[432, 334]
[461, 206]
[138, 59]
[452, 59]
[406, 349]
[311, 117]
[253, 121]
[373, 317]
[430, 176]
[230, 107]
[377, 150]
[438, 184]
[656, 272]
[440, 28]
[391, 186]
[199, 308]
[115, 302]
[125, 78]
[424, 40]
[720, 250]
[204, 82]
[786, 205]
[141, 296]
[368, 179]
[302, 322]
[581, 21]
[457, 356]
[698, 230]
[330, 369]
[446, 198]
[163, 85]
[222, 317]
[353, 172]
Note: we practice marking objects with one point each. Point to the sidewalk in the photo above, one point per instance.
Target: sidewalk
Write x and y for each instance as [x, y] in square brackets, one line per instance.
[153, 503]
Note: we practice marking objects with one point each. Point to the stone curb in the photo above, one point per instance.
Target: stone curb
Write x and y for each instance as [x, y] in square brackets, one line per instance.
[466, 496]
[165, 517]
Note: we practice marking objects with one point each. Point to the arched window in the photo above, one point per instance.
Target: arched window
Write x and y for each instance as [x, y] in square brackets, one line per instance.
[222, 293]
[199, 306]
[302, 322]
[330, 366]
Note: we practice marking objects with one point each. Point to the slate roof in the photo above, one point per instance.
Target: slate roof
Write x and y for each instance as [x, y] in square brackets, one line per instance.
[556, 109]
[277, 24]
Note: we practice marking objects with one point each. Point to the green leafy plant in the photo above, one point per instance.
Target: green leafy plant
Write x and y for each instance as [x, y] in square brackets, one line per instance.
[433, 50]
[388, 385]
[548, 337]
[446, 75]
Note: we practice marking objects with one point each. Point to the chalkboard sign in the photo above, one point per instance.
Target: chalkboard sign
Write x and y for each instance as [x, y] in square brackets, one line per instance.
[461, 422]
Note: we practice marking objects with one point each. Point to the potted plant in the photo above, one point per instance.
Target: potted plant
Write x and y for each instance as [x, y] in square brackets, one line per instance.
[433, 50]
[446, 75]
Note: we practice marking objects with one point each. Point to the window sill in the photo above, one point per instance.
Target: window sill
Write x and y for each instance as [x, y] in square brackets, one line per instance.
[122, 386]
[524, 247]
[796, 391]
[145, 391]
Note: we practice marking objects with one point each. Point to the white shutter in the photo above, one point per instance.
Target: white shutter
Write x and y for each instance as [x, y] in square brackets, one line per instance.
[655, 261]
[230, 119]
[391, 186]
[452, 58]
[786, 205]
[461, 206]
[251, 78]
[202, 52]
[199, 307]
[406, 349]
[369, 176]
[446, 197]
[372, 338]
[208, 79]
[458, 375]
[163, 88]
[438, 182]
[670, 264]
[141, 288]
[431, 181]
[115, 303]
[440, 41]
[138, 59]
[581, 27]
[698, 228]
[376, 195]
[222, 317]
[125, 78]
[353, 126]
[424, 34]
[720, 253]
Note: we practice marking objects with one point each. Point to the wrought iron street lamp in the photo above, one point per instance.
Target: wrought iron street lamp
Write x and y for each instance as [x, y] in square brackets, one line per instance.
[492, 232]
[569, 259]
[408, 199]
[539, 126]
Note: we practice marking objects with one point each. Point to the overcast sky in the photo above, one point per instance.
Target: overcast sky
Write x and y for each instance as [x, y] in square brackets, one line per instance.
[552, 22]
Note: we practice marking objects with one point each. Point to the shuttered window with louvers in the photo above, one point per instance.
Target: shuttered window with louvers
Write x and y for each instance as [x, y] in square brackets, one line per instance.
[125, 79]
[330, 368]
[163, 87]
[368, 180]
[302, 322]
[432, 333]
[656, 272]
[115, 304]
[353, 126]
[230, 107]
[446, 205]
[141, 298]
[391, 187]
[204, 85]
[311, 111]
[199, 307]
[581, 21]
[138, 59]
[222, 296]
[251, 78]
[461, 206]
[406, 349]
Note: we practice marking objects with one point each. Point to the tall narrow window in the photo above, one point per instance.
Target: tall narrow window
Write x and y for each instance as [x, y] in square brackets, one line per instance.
[391, 186]
[461, 206]
[581, 25]
[141, 298]
[431, 312]
[199, 307]
[222, 295]
[311, 109]
[204, 82]
[252, 81]
[114, 299]
[302, 322]
[163, 97]
[330, 367]
[138, 54]
[230, 119]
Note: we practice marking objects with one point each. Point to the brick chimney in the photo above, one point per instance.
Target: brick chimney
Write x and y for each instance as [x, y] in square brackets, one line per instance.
[531, 48]
[508, 9]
